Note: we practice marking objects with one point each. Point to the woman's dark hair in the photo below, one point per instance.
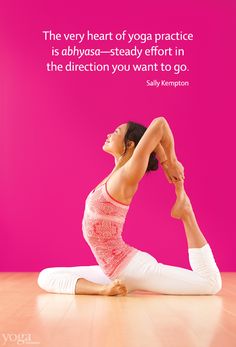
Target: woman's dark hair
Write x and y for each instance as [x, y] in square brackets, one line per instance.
[134, 133]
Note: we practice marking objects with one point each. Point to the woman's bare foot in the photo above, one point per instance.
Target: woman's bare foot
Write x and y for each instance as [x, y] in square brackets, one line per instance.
[182, 206]
[114, 288]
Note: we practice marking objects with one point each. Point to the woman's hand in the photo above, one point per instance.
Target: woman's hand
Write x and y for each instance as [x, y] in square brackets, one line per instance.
[173, 170]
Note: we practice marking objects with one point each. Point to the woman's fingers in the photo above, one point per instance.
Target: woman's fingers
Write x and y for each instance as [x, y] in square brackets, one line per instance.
[174, 173]
[168, 177]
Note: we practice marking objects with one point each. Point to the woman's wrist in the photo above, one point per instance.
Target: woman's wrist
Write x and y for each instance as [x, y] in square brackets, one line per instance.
[171, 159]
[164, 162]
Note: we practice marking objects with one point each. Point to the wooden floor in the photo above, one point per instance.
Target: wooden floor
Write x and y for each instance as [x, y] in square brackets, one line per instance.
[35, 317]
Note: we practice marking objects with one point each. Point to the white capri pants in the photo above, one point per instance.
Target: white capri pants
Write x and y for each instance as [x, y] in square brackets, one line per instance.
[144, 272]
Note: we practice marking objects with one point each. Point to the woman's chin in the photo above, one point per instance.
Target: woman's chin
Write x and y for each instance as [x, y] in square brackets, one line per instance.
[104, 147]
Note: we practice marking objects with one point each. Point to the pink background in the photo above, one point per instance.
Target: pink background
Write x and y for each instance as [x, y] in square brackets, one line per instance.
[53, 126]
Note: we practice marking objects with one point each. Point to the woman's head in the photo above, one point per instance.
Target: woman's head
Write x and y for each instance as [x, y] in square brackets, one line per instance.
[123, 141]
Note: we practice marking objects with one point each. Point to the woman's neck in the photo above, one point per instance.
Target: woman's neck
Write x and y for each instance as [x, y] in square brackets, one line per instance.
[120, 161]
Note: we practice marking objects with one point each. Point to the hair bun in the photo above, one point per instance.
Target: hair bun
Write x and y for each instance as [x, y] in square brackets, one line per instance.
[153, 163]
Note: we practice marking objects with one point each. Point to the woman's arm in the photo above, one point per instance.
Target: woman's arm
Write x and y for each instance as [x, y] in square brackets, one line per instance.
[160, 153]
[158, 132]
[166, 141]
[172, 168]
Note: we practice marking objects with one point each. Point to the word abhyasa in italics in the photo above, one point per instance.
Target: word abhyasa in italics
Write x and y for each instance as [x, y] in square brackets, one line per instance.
[117, 52]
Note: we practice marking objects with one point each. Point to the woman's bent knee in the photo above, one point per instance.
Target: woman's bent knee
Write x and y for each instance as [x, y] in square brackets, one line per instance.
[217, 284]
[58, 280]
[43, 278]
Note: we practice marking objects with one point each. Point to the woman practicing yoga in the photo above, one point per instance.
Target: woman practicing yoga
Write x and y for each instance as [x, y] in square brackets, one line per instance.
[122, 268]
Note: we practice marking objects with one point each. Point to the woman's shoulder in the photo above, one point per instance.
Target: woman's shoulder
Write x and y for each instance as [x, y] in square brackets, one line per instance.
[120, 188]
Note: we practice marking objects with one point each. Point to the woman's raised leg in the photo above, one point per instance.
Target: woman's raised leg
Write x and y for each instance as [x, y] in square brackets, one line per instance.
[200, 254]
[183, 210]
[144, 272]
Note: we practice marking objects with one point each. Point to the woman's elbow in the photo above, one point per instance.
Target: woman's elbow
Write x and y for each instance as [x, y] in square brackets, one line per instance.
[160, 120]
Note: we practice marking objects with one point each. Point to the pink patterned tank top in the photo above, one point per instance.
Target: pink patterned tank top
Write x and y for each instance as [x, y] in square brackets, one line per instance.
[102, 227]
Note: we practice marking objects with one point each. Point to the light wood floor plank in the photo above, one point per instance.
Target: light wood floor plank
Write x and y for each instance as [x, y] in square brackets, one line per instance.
[139, 319]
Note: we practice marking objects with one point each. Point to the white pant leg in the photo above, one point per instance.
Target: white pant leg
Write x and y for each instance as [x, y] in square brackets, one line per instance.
[63, 279]
[202, 261]
[144, 272]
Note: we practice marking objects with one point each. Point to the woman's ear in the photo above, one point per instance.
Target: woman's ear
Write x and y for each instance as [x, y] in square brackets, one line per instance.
[131, 144]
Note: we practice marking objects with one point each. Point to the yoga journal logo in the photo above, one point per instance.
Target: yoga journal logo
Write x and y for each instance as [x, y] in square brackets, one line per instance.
[19, 339]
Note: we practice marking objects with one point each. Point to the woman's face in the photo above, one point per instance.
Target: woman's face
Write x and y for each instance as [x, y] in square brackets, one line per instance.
[114, 143]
